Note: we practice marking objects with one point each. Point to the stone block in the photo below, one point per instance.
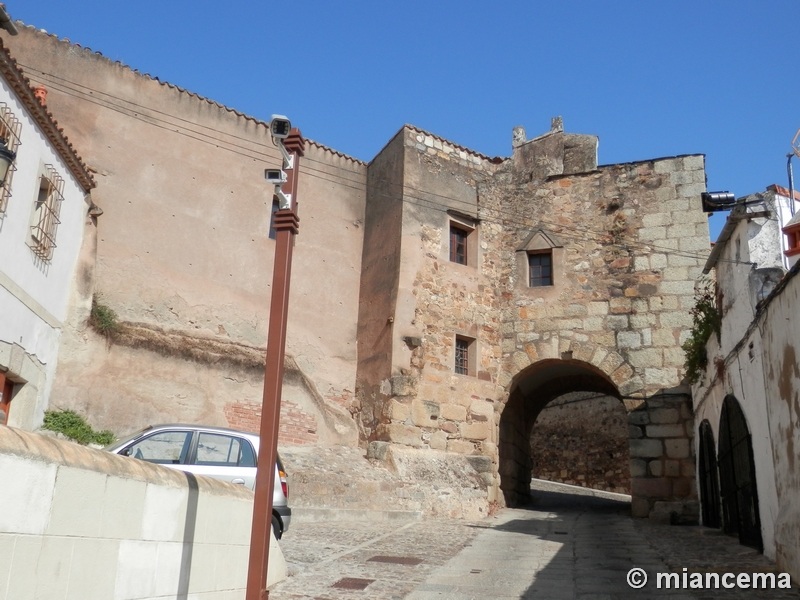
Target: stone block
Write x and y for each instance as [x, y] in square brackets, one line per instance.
[683, 487]
[656, 468]
[639, 417]
[648, 357]
[634, 432]
[474, 431]
[404, 385]
[664, 415]
[452, 412]
[656, 219]
[647, 234]
[449, 427]
[638, 468]
[690, 190]
[397, 411]
[402, 434]
[665, 431]
[598, 308]
[665, 377]
[640, 508]
[481, 410]
[628, 339]
[677, 288]
[425, 413]
[460, 447]
[687, 468]
[438, 440]
[644, 448]
[666, 165]
[678, 448]
[672, 468]
[378, 450]
[651, 487]
[482, 464]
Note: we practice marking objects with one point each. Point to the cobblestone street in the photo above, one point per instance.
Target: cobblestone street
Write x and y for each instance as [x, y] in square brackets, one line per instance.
[567, 546]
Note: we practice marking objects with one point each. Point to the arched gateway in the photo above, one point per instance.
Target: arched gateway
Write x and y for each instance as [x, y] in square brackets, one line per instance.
[531, 391]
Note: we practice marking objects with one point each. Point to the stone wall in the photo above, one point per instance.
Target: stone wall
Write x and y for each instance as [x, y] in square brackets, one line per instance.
[582, 439]
[663, 459]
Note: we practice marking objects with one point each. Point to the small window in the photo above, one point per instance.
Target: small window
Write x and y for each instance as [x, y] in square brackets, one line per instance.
[10, 128]
[164, 448]
[540, 268]
[465, 355]
[44, 221]
[458, 245]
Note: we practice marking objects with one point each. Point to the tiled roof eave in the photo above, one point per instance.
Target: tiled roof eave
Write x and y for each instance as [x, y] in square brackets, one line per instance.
[44, 119]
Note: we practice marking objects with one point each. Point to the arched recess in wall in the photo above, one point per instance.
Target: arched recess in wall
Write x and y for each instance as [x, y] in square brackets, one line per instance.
[737, 477]
[709, 479]
[531, 390]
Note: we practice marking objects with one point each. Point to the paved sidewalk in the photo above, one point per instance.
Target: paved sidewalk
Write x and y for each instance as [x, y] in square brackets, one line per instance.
[567, 546]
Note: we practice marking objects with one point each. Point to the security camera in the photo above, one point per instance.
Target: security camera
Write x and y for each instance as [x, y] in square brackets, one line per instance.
[279, 127]
[275, 176]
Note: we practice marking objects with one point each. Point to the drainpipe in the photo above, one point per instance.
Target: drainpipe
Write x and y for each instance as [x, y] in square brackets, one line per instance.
[6, 22]
[791, 182]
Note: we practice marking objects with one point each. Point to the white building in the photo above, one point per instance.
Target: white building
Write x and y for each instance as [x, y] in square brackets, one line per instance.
[44, 209]
[747, 416]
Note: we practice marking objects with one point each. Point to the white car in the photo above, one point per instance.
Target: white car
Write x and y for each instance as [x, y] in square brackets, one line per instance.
[217, 452]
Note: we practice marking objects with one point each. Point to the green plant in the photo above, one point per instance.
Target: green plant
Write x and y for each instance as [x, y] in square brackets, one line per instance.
[103, 319]
[706, 320]
[75, 427]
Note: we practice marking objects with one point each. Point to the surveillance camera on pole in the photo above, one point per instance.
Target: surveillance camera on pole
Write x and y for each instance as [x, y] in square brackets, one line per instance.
[280, 127]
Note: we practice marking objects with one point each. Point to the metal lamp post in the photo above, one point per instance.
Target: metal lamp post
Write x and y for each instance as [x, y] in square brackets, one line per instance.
[285, 222]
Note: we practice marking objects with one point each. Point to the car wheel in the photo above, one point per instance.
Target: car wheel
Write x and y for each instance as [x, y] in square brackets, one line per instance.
[276, 527]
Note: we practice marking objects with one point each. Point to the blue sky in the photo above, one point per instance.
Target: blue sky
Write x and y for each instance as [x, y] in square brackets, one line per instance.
[651, 79]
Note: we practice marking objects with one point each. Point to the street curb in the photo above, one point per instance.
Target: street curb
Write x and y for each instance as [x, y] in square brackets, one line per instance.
[305, 514]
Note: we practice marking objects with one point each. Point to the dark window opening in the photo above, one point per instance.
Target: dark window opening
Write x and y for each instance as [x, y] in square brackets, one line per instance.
[540, 267]
[462, 356]
[458, 245]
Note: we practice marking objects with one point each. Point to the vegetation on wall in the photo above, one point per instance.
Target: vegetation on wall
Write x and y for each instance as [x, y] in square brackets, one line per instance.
[75, 427]
[706, 320]
[103, 319]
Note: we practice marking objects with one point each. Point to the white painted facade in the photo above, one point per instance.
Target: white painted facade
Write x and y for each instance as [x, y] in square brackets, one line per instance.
[34, 292]
[759, 333]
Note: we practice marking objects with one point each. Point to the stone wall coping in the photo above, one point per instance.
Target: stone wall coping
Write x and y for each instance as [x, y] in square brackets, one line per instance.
[41, 448]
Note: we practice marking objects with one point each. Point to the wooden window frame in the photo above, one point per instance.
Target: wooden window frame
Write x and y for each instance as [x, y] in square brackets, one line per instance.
[540, 280]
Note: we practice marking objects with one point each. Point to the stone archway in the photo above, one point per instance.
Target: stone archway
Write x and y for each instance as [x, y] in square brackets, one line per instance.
[660, 428]
[531, 391]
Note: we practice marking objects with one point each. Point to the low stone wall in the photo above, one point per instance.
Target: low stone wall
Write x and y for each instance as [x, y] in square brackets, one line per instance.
[84, 524]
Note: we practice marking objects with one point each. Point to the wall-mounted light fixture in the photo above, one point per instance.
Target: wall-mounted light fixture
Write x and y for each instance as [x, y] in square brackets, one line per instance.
[7, 157]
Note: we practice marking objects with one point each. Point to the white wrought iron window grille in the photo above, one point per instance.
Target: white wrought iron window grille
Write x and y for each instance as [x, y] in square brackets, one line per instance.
[10, 128]
[44, 222]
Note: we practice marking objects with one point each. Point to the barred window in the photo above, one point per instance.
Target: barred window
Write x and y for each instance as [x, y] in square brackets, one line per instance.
[465, 356]
[44, 221]
[10, 128]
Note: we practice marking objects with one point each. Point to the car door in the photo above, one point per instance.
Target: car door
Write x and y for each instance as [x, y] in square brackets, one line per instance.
[223, 456]
[168, 447]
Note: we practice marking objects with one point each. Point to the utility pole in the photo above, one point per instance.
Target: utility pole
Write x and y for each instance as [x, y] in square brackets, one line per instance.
[285, 222]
